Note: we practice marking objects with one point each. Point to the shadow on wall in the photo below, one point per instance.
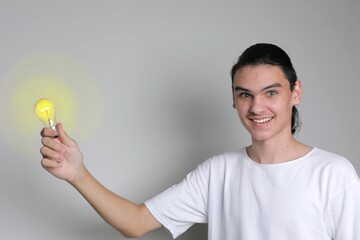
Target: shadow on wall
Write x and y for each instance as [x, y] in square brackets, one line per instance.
[198, 232]
[104, 231]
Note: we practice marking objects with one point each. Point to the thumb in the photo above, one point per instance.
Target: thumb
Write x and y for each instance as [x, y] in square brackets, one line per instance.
[63, 136]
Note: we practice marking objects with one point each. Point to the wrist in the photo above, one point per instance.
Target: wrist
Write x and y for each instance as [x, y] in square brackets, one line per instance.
[80, 176]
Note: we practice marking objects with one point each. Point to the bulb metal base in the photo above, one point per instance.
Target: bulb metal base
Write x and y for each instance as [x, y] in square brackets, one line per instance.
[55, 128]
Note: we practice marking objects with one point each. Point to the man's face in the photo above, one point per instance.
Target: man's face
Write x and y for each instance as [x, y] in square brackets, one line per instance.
[264, 101]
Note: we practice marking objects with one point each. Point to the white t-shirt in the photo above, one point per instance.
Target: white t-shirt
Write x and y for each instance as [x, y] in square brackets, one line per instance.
[315, 197]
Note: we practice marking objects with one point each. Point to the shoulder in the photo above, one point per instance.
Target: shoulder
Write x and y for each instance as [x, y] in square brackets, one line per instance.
[222, 164]
[331, 161]
[334, 169]
[227, 158]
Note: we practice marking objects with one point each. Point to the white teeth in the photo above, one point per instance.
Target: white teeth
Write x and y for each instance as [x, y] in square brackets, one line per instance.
[261, 120]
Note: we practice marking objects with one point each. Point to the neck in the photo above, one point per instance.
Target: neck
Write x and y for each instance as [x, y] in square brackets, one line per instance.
[270, 152]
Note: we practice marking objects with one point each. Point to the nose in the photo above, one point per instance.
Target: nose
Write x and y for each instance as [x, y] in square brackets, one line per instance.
[257, 105]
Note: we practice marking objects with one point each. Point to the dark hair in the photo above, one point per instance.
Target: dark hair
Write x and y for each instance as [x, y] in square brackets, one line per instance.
[270, 54]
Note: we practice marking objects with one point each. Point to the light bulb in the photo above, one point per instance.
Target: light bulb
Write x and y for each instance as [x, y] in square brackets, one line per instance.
[46, 111]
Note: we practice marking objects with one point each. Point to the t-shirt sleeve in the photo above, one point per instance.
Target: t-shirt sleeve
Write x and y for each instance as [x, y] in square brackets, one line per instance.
[345, 211]
[183, 204]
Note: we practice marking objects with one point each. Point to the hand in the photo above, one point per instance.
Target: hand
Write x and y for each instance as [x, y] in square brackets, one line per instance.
[61, 155]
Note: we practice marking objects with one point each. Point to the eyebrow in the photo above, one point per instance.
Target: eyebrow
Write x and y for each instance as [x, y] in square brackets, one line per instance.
[274, 85]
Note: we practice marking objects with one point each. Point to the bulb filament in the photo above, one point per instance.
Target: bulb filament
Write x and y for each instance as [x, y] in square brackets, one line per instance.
[46, 110]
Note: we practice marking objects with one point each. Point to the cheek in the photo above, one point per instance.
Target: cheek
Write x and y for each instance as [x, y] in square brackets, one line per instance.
[283, 102]
[242, 110]
[242, 116]
[283, 107]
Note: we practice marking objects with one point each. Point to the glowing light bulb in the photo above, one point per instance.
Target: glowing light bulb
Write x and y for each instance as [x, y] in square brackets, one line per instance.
[46, 111]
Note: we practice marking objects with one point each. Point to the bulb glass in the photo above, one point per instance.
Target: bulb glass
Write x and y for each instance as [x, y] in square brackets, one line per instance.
[45, 110]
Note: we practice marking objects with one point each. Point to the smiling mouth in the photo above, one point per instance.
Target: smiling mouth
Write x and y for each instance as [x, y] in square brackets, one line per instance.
[263, 120]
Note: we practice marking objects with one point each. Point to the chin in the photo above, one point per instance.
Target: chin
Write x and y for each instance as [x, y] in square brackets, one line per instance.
[261, 136]
[259, 139]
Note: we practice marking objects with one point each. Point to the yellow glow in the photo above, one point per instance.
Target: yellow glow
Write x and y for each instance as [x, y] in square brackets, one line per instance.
[28, 92]
[58, 77]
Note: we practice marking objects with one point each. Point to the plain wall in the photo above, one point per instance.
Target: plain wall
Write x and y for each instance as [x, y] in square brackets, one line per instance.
[147, 95]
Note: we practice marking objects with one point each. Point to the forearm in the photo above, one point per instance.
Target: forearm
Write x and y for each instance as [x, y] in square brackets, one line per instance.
[63, 158]
[132, 220]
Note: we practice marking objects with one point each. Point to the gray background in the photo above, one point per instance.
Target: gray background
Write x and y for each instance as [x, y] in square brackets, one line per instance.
[159, 97]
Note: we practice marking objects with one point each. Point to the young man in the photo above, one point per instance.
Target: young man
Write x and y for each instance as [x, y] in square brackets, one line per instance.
[276, 188]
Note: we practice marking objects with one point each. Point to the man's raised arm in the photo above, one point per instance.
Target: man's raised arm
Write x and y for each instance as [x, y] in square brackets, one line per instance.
[63, 159]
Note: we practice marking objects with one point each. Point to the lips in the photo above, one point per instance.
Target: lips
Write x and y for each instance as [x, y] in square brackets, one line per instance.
[262, 120]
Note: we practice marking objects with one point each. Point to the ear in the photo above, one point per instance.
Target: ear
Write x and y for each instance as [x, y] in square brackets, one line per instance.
[297, 92]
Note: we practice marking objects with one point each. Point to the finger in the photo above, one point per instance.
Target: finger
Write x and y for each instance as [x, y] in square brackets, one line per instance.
[53, 143]
[47, 163]
[64, 137]
[48, 132]
[51, 154]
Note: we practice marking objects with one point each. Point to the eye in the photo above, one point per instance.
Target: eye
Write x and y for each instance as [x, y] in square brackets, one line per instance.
[244, 95]
[272, 93]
